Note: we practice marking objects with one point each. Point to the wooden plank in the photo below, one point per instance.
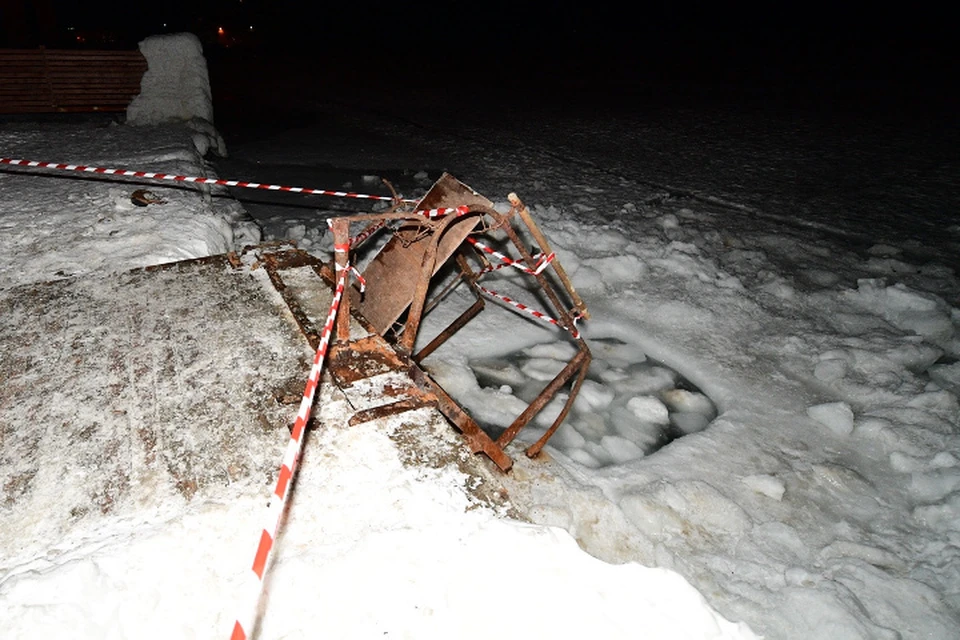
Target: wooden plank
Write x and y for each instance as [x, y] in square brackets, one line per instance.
[21, 84]
[49, 80]
[93, 65]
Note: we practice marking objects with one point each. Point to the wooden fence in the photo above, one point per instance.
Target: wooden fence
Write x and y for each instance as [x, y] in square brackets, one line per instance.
[51, 80]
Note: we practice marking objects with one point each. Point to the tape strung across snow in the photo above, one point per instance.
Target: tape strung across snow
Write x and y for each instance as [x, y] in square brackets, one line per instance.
[151, 175]
[289, 466]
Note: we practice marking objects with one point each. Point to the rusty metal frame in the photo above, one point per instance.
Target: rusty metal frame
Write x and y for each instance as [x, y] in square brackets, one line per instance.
[398, 280]
[578, 366]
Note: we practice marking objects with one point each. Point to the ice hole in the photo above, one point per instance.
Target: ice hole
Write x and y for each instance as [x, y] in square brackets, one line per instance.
[628, 407]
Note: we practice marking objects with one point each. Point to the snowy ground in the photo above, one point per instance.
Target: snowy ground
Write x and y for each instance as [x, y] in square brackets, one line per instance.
[141, 429]
[822, 501]
[798, 271]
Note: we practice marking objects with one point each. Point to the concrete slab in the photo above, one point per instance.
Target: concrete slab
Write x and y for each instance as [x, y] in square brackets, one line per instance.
[135, 394]
[153, 382]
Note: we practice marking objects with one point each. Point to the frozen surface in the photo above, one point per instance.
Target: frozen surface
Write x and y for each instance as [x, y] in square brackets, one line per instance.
[799, 273]
[819, 498]
[143, 416]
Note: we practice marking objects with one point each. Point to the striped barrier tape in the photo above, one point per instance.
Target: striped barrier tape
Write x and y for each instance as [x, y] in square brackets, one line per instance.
[288, 467]
[152, 175]
[496, 267]
[542, 260]
[462, 210]
[536, 314]
[191, 179]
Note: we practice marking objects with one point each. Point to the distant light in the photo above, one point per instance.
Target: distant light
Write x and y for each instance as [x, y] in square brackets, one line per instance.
[220, 31]
[251, 27]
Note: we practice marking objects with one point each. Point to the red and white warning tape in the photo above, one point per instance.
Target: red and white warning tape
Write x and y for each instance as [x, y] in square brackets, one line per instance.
[533, 312]
[542, 260]
[245, 624]
[151, 175]
[462, 210]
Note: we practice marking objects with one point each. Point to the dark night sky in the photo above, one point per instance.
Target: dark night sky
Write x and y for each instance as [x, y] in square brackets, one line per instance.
[454, 24]
[812, 44]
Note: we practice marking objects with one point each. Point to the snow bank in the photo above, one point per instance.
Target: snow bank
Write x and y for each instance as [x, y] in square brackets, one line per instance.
[176, 88]
[176, 85]
[56, 224]
[386, 541]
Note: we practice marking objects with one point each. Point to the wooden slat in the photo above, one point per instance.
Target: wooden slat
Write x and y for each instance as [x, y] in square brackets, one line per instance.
[18, 84]
[48, 80]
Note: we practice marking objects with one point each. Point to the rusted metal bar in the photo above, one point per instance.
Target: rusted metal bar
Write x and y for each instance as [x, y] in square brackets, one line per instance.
[363, 358]
[415, 314]
[341, 243]
[475, 437]
[285, 258]
[465, 273]
[387, 410]
[544, 245]
[582, 359]
[437, 299]
[447, 333]
[534, 449]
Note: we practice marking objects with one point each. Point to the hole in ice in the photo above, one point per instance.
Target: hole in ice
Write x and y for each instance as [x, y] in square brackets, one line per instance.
[628, 407]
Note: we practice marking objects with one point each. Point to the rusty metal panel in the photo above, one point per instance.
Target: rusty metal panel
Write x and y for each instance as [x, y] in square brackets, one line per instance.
[393, 275]
[364, 358]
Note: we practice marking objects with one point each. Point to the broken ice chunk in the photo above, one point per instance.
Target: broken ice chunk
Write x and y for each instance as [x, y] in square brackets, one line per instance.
[770, 486]
[621, 449]
[649, 409]
[836, 416]
[685, 401]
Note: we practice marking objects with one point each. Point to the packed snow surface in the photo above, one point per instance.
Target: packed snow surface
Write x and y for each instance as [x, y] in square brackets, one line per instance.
[814, 493]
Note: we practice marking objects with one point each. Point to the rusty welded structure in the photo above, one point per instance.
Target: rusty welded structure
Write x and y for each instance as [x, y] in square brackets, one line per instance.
[395, 301]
